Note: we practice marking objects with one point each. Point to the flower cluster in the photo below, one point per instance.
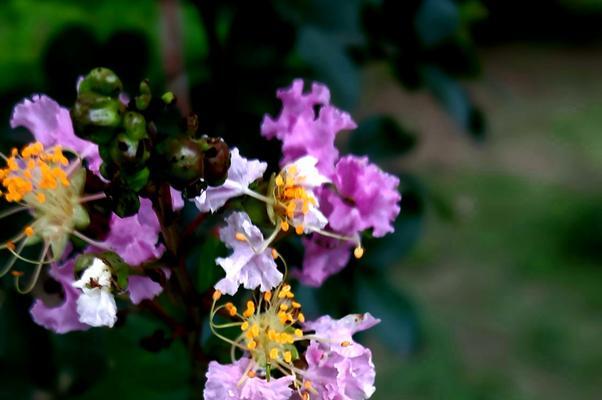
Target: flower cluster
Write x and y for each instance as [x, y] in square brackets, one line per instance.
[106, 155]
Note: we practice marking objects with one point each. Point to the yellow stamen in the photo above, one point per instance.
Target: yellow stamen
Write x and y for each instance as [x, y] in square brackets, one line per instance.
[216, 295]
[299, 229]
[288, 356]
[298, 332]
[267, 296]
[28, 231]
[240, 237]
[301, 317]
[358, 252]
[244, 326]
[252, 345]
[274, 354]
[284, 225]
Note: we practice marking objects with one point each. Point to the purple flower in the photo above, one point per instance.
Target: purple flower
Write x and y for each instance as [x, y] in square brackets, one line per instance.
[231, 382]
[337, 367]
[337, 377]
[301, 131]
[51, 125]
[323, 257]
[136, 240]
[251, 263]
[367, 198]
[64, 317]
[241, 174]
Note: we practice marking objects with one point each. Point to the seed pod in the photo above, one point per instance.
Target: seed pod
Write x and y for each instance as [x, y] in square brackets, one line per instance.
[217, 160]
[182, 160]
[129, 153]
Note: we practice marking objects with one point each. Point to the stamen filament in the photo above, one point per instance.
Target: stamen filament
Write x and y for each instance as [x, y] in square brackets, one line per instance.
[36, 274]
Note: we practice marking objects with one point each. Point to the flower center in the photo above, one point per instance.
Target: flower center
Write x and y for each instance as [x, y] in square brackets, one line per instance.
[291, 198]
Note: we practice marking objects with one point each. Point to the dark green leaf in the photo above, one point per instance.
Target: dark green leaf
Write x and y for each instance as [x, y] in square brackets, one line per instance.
[326, 54]
[456, 100]
[436, 21]
[399, 327]
[208, 272]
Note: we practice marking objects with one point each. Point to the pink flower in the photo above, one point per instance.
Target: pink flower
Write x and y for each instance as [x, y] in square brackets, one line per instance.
[64, 317]
[338, 367]
[51, 125]
[230, 382]
[250, 264]
[302, 130]
[367, 198]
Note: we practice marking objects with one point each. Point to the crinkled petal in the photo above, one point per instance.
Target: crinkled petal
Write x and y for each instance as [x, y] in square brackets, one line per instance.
[248, 265]
[304, 132]
[136, 238]
[226, 382]
[97, 308]
[323, 257]
[142, 288]
[241, 174]
[367, 198]
[51, 125]
[64, 317]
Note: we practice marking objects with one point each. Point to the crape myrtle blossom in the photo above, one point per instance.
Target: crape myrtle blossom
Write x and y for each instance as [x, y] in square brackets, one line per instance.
[251, 263]
[361, 195]
[273, 332]
[96, 305]
[301, 131]
[366, 198]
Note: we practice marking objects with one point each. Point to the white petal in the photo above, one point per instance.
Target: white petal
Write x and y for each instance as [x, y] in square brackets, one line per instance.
[97, 308]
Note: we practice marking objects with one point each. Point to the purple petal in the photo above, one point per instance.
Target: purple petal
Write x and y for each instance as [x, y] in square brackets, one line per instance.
[51, 125]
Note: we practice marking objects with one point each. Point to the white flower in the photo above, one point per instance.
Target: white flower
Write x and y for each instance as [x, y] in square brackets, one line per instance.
[241, 174]
[96, 305]
[251, 263]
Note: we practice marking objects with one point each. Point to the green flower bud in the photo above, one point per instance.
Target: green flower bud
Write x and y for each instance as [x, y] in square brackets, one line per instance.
[96, 117]
[135, 125]
[101, 81]
[129, 153]
[143, 101]
[217, 160]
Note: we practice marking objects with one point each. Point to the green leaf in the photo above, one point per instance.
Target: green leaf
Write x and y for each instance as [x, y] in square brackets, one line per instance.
[399, 327]
[456, 100]
[326, 54]
[436, 21]
[208, 272]
[134, 373]
[380, 137]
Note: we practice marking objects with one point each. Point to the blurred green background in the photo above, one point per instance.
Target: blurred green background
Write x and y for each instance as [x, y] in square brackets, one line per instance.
[489, 111]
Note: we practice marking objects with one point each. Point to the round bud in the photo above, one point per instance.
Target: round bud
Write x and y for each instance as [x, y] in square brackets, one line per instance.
[101, 81]
[135, 125]
[182, 159]
[129, 153]
[217, 161]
